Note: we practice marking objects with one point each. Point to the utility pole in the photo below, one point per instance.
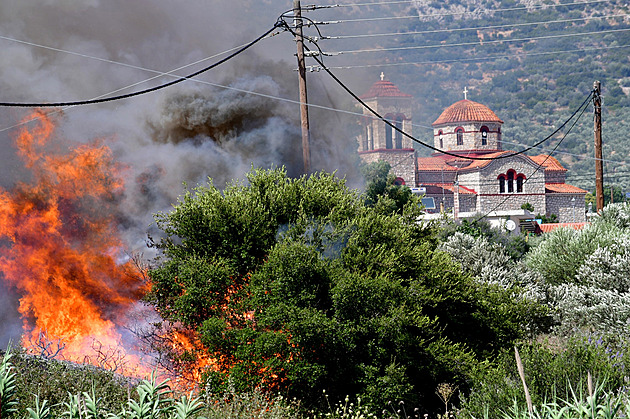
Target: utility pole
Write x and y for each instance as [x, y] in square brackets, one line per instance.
[599, 164]
[299, 39]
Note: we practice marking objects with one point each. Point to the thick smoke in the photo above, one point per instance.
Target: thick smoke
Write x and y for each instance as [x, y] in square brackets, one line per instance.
[186, 133]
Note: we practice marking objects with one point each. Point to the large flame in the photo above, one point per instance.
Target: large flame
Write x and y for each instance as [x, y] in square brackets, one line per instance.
[59, 245]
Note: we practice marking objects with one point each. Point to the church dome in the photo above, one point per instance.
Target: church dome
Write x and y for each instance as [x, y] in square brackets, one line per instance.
[466, 111]
[384, 88]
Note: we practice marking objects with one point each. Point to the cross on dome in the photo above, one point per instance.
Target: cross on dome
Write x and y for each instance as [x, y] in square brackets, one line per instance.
[465, 92]
[382, 76]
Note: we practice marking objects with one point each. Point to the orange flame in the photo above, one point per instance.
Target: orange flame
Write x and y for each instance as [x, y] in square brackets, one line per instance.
[59, 246]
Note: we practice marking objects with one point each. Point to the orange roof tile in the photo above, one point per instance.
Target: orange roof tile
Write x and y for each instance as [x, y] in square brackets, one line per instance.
[548, 162]
[433, 163]
[384, 88]
[466, 111]
[546, 228]
[476, 164]
[562, 188]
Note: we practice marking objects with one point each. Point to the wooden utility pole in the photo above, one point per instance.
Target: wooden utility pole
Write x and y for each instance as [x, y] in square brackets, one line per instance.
[599, 164]
[299, 39]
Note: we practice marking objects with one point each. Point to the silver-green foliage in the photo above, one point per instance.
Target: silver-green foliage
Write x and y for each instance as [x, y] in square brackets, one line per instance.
[586, 273]
[490, 264]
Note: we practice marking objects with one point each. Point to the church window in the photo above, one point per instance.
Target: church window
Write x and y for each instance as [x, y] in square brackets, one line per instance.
[484, 135]
[520, 179]
[441, 144]
[510, 181]
[460, 135]
[398, 133]
[370, 138]
[388, 134]
[501, 183]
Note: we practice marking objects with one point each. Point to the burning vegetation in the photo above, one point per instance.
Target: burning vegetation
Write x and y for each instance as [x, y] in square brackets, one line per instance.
[60, 249]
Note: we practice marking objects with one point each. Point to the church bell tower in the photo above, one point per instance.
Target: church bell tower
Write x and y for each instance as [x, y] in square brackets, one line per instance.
[380, 141]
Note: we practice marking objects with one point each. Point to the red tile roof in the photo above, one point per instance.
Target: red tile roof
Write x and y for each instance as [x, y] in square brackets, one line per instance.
[546, 228]
[384, 88]
[548, 162]
[434, 163]
[466, 111]
[562, 188]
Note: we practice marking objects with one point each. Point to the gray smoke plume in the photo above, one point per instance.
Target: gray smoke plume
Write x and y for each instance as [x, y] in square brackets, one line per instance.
[66, 50]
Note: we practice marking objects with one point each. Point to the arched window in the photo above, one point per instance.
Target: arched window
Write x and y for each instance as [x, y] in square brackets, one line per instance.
[484, 135]
[499, 138]
[459, 131]
[510, 181]
[397, 133]
[370, 138]
[440, 133]
[501, 183]
[520, 179]
[388, 133]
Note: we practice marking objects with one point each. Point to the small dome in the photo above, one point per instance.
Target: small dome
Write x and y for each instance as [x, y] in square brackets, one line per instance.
[384, 88]
[466, 111]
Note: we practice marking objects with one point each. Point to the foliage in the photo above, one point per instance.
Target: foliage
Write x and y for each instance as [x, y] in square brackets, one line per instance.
[547, 219]
[585, 273]
[618, 196]
[153, 399]
[516, 246]
[381, 190]
[295, 286]
[554, 373]
[490, 263]
[52, 381]
[561, 253]
[8, 386]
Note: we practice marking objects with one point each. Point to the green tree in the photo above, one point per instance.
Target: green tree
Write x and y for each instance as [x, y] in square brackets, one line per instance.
[381, 189]
[297, 286]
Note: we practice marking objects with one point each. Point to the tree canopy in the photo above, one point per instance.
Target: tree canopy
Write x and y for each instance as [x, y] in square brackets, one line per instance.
[298, 286]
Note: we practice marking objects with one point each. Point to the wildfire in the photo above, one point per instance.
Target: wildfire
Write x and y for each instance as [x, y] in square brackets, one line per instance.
[59, 245]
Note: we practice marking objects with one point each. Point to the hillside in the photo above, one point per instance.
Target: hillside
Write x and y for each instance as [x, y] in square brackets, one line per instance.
[532, 62]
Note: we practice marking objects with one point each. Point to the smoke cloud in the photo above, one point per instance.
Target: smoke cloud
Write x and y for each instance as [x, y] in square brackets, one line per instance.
[68, 50]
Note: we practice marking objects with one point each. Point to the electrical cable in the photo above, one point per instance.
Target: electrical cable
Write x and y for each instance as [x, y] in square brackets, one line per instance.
[141, 92]
[472, 59]
[358, 99]
[479, 43]
[478, 28]
[539, 166]
[315, 7]
[477, 11]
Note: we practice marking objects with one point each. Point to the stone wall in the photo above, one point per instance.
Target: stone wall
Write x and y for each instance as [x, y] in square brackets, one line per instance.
[563, 206]
[471, 138]
[403, 162]
[436, 177]
[555, 176]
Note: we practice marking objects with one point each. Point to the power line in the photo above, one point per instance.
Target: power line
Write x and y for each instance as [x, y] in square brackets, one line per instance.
[537, 168]
[474, 12]
[358, 99]
[472, 59]
[141, 92]
[511, 25]
[480, 43]
[382, 3]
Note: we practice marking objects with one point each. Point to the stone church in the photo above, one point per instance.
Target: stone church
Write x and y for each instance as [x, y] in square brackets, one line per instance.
[454, 183]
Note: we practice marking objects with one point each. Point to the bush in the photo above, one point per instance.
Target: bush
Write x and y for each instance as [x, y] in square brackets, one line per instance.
[553, 370]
